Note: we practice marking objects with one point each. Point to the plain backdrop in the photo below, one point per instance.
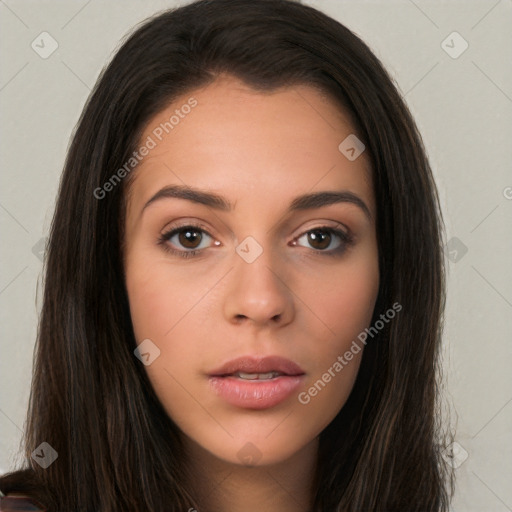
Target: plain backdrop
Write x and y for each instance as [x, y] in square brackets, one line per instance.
[452, 63]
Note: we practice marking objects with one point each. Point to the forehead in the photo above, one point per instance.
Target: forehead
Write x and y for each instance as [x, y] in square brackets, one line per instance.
[254, 144]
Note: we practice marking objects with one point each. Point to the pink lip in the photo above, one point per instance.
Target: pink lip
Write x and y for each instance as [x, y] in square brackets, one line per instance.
[250, 364]
[256, 394]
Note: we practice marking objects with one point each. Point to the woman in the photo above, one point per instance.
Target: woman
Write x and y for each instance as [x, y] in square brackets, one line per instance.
[244, 280]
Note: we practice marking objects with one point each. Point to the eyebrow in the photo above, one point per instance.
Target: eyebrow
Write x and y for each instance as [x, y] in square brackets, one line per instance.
[218, 202]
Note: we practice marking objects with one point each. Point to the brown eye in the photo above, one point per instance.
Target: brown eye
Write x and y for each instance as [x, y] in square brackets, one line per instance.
[189, 238]
[326, 240]
[319, 239]
[186, 240]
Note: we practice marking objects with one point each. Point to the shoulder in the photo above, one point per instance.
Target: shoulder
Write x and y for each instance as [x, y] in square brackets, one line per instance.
[20, 491]
[17, 502]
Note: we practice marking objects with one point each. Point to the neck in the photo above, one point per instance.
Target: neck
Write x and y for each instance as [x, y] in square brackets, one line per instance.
[222, 486]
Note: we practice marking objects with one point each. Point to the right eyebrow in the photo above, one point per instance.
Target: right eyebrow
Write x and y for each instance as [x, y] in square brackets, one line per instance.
[197, 196]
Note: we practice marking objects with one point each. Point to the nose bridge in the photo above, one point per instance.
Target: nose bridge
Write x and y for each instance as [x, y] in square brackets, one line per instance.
[258, 290]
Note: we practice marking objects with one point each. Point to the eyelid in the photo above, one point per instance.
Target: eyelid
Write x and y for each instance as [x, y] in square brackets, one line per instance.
[326, 224]
[347, 238]
[173, 226]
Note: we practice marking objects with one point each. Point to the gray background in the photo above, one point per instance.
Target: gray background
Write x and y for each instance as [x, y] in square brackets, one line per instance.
[463, 107]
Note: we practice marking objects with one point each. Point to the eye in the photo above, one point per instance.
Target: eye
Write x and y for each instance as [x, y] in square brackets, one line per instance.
[326, 239]
[191, 238]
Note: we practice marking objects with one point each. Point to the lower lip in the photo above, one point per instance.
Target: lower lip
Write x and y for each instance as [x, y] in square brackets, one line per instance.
[255, 394]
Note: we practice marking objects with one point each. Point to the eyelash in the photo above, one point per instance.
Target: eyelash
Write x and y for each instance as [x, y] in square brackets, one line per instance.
[347, 240]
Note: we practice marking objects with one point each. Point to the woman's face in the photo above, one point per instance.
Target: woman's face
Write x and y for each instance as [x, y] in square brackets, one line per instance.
[264, 271]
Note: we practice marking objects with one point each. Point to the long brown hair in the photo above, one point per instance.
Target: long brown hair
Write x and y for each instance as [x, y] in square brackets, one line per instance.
[91, 399]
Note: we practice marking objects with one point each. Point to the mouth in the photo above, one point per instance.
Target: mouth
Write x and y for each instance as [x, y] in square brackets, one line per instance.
[256, 376]
[256, 383]
[267, 367]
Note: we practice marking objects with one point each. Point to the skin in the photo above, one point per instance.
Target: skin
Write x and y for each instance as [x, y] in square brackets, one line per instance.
[259, 151]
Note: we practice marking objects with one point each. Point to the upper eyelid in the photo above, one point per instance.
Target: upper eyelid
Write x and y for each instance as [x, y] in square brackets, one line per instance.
[207, 230]
[172, 226]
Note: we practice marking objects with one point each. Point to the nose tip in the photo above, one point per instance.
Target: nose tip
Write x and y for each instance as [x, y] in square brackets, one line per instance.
[258, 294]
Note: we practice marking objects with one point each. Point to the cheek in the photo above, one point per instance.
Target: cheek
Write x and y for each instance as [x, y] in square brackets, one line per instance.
[151, 302]
[349, 304]
[344, 297]
[347, 311]
[165, 306]
[345, 307]
[158, 298]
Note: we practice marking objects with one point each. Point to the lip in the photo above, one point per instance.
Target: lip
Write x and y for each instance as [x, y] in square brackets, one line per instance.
[251, 364]
[256, 394]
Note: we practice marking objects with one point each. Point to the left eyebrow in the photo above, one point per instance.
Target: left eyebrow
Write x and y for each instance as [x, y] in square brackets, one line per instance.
[319, 199]
[300, 203]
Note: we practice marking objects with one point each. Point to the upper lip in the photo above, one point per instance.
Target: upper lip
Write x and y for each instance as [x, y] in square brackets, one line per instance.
[251, 364]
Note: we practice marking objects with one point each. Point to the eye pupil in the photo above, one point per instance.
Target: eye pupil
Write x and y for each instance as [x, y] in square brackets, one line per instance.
[189, 236]
[319, 236]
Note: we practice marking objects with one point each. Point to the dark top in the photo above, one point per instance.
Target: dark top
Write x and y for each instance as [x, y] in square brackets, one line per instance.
[19, 503]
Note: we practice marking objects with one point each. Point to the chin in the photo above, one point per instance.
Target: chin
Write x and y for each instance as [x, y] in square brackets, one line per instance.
[254, 450]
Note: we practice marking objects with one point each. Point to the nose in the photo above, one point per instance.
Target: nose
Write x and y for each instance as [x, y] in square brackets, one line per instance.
[258, 293]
